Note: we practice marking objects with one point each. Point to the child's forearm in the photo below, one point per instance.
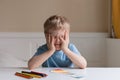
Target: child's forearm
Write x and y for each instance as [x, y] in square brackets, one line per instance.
[77, 60]
[36, 61]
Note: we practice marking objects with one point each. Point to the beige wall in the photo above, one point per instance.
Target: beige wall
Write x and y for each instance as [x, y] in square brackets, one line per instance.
[29, 15]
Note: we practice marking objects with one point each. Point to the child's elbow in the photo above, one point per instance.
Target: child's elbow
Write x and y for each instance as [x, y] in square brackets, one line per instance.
[84, 65]
[30, 66]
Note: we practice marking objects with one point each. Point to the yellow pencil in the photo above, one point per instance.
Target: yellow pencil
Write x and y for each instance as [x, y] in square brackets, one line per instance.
[33, 75]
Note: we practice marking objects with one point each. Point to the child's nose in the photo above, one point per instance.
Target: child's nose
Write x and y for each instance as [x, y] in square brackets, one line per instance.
[57, 40]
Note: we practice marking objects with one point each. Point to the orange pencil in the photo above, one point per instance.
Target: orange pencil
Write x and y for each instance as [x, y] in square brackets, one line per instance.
[23, 75]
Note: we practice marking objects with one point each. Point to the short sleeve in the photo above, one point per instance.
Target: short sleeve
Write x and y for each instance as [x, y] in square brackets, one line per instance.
[73, 48]
[41, 50]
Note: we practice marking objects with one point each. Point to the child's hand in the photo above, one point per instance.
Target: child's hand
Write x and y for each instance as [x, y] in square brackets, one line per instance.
[50, 42]
[64, 41]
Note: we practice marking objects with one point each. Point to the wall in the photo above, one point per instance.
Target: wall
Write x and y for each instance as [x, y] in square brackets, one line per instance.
[113, 52]
[17, 48]
[29, 15]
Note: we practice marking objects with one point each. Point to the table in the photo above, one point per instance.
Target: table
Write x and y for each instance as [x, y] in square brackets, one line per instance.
[90, 73]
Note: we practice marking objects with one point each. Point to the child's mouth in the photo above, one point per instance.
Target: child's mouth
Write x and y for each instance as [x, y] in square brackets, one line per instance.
[57, 45]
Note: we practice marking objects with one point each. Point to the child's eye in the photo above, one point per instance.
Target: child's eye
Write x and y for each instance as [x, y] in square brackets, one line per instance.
[62, 36]
[55, 37]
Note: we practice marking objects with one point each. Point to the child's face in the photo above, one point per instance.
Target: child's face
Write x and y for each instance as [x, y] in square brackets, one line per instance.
[57, 34]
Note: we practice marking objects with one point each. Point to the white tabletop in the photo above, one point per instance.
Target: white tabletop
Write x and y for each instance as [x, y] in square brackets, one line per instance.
[86, 74]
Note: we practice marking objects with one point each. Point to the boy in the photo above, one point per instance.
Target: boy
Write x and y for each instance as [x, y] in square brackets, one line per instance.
[57, 52]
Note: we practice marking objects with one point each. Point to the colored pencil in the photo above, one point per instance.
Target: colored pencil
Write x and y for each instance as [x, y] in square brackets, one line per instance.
[38, 73]
[23, 75]
[33, 75]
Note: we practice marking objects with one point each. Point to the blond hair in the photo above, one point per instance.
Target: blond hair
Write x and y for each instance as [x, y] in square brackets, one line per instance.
[56, 22]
